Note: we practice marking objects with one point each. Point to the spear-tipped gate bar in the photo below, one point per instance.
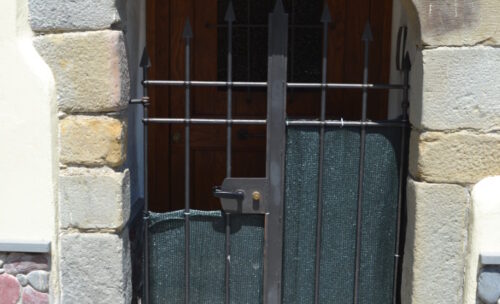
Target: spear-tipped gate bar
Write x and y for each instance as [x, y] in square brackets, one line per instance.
[230, 17]
[276, 123]
[367, 39]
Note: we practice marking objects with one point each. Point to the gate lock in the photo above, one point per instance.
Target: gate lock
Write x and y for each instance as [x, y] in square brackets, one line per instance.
[243, 195]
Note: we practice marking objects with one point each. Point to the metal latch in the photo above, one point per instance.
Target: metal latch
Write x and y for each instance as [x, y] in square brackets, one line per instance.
[243, 195]
[238, 195]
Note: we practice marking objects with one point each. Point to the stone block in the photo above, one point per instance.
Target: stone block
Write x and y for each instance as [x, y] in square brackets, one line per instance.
[90, 69]
[31, 296]
[462, 157]
[488, 286]
[92, 141]
[95, 269]
[94, 198]
[22, 279]
[3, 256]
[434, 258]
[10, 290]
[39, 280]
[451, 22]
[63, 15]
[23, 263]
[459, 89]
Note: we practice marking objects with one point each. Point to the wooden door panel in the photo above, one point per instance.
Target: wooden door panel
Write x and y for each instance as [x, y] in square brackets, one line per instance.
[166, 19]
[380, 50]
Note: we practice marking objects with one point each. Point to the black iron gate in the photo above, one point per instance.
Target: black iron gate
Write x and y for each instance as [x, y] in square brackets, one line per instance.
[266, 196]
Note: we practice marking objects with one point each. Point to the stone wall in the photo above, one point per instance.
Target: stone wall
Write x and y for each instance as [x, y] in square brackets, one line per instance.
[24, 278]
[83, 44]
[455, 113]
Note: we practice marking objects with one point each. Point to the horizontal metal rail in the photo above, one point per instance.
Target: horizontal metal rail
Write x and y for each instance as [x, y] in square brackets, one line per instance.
[304, 123]
[346, 86]
[205, 121]
[194, 83]
[343, 123]
[250, 26]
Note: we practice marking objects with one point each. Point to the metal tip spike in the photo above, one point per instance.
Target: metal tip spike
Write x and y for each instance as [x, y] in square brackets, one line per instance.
[279, 8]
[230, 15]
[367, 33]
[407, 62]
[325, 16]
[188, 31]
[145, 62]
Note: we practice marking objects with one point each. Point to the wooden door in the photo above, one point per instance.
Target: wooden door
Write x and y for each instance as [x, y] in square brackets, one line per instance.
[166, 20]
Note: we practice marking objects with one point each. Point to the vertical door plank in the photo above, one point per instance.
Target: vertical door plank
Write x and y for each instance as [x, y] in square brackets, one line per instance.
[357, 14]
[158, 30]
[336, 50]
[380, 55]
[180, 12]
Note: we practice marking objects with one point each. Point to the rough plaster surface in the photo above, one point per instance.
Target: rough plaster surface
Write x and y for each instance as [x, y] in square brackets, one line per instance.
[435, 243]
[90, 68]
[462, 157]
[57, 15]
[484, 228]
[463, 22]
[92, 141]
[95, 269]
[94, 198]
[460, 90]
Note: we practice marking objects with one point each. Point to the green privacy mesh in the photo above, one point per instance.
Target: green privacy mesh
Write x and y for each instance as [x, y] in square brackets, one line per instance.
[207, 258]
[340, 180]
[340, 188]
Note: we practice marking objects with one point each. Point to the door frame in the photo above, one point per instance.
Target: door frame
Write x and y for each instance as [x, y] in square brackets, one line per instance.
[277, 123]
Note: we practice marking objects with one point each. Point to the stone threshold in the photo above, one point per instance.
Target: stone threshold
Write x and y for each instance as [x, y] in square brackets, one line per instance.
[490, 258]
[24, 246]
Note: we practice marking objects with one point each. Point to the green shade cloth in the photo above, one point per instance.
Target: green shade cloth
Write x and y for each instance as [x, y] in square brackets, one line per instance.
[207, 258]
[338, 243]
[339, 216]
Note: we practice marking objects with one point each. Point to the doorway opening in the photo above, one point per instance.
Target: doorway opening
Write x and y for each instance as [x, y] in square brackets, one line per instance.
[165, 23]
[290, 70]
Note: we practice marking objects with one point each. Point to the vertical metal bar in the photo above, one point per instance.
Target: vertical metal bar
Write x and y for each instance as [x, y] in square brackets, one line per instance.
[276, 142]
[188, 35]
[228, 258]
[145, 64]
[229, 18]
[325, 19]
[292, 49]
[404, 105]
[249, 50]
[367, 38]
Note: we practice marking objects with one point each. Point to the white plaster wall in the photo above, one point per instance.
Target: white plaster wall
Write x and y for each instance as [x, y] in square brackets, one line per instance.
[28, 161]
[484, 230]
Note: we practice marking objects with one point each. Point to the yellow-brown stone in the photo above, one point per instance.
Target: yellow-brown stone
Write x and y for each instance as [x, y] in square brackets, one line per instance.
[461, 158]
[92, 141]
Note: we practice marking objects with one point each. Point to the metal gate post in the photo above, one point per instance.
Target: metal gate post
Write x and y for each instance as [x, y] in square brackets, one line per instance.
[145, 64]
[276, 143]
